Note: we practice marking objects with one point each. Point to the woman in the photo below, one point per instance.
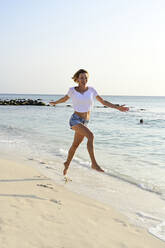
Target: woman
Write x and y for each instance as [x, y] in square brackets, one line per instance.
[82, 98]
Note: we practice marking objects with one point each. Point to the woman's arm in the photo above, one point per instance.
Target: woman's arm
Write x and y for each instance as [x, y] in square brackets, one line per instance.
[61, 100]
[111, 105]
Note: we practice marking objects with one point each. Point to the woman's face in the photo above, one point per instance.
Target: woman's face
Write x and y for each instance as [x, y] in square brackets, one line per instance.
[82, 79]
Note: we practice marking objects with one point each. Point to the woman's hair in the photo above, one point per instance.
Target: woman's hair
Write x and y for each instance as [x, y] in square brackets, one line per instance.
[76, 75]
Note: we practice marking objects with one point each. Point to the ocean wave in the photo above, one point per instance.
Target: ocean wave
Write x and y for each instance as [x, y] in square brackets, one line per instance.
[9, 129]
[158, 231]
[143, 185]
[9, 141]
[148, 216]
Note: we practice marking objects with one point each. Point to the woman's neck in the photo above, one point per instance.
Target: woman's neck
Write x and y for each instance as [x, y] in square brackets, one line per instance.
[82, 88]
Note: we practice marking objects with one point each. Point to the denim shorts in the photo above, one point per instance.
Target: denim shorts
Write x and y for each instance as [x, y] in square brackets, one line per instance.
[75, 120]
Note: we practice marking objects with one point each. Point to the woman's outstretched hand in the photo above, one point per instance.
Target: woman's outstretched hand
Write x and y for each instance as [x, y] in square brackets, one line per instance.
[123, 108]
[111, 105]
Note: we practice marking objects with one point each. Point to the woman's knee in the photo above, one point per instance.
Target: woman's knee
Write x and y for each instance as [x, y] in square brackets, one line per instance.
[84, 131]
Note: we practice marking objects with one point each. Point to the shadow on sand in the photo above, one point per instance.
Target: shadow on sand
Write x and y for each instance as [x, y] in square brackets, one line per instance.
[22, 180]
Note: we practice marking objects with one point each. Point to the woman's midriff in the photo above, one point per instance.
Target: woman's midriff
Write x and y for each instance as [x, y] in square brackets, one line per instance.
[84, 115]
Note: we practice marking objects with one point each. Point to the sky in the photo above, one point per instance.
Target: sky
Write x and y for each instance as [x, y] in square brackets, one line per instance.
[121, 43]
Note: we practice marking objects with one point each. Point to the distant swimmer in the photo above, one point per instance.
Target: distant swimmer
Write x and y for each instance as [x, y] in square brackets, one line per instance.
[82, 98]
[141, 121]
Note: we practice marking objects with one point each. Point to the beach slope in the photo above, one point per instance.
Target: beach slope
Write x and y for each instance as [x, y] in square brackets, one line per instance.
[35, 212]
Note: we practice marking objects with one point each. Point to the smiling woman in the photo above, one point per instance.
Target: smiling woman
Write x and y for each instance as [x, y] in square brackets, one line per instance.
[82, 98]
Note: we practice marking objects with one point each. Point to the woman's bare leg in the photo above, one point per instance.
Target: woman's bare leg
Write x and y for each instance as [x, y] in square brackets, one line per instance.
[78, 138]
[84, 131]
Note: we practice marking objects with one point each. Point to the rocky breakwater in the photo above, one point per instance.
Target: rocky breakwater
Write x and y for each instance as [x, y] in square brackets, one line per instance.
[23, 102]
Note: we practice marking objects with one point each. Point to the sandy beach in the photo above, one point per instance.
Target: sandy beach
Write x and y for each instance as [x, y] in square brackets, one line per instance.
[35, 212]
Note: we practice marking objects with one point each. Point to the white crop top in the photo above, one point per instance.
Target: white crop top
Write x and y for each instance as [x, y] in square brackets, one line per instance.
[82, 102]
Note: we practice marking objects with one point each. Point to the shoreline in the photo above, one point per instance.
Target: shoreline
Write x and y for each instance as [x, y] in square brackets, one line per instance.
[37, 212]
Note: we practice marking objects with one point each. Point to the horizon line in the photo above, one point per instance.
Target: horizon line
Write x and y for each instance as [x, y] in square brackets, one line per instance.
[64, 94]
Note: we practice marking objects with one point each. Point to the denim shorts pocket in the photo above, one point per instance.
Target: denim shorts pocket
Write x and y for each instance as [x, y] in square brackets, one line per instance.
[74, 119]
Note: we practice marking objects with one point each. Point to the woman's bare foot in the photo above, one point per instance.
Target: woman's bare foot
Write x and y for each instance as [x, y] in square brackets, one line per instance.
[66, 165]
[97, 167]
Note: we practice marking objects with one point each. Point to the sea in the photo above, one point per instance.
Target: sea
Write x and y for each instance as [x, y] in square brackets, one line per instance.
[131, 153]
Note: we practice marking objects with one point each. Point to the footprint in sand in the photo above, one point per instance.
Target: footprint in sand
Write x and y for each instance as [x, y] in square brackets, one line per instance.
[123, 246]
[56, 201]
[45, 186]
[121, 222]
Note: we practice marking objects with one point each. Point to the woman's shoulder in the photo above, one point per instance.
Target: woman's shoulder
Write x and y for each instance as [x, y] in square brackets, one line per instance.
[91, 88]
[71, 89]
